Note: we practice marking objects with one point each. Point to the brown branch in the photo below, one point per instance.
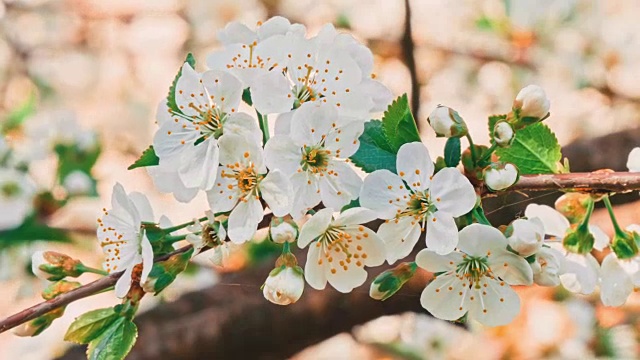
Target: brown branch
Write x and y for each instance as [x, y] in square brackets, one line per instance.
[595, 182]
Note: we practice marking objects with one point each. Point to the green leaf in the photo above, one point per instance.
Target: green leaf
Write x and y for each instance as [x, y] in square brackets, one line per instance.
[452, 152]
[375, 152]
[148, 158]
[534, 151]
[72, 158]
[32, 230]
[18, 115]
[115, 342]
[90, 325]
[398, 124]
[171, 97]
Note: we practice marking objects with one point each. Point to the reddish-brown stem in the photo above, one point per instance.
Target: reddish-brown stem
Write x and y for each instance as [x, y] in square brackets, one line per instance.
[594, 182]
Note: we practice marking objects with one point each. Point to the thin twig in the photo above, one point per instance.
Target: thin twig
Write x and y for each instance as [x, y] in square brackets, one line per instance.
[595, 182]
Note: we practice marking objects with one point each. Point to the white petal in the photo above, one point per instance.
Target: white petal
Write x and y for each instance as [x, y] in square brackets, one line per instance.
[142, 205]
[167, 180]
[223, 89]
[276, 25]
[199, 165]
[244, 220]
[343, 140]
[399, 237]
[414, 165]
[338, 189]
[581, 273]
[442, 232]
[224, 195]
[283, 123]
[311, 122]
[445, 297]
[277, 191]
[600, 237]
[354, 216]
[282, 154]
[453, 192]
[513, 269]
[380, 191]
[432, 262]
[615, 283]
[147, 258]
[306, 193]
[346, 280]
[495, 304]
[555, 224]
[314, 269]
[478, 240]
[244, 125]
[124, 283]
[238, 149]
[271, 93]
[633, 162]
[315, 227]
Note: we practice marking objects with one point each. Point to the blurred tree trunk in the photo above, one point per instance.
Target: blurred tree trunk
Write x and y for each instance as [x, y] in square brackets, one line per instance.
[232, 320]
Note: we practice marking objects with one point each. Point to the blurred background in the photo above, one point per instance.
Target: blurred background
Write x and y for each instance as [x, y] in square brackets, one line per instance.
[97, 69]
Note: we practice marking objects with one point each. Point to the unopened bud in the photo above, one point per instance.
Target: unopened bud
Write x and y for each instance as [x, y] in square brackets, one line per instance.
[284, 285]
[163, 273]
[625, 244]
[390, 281]
[283, 230]
[530, 106]
[579, 241]
[503, 134]
[526, 236]
[77, 183]
[499, 176]
[53, 266]
[39, 324]
[59, 288]
[447, 122]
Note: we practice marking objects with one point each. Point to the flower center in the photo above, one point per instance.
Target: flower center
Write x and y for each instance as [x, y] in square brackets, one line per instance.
[339, 239]
[10, 189]
[247, 178]
[210, 236]
[314, 159]
[419, 206]
[473, 268]
[210, 121]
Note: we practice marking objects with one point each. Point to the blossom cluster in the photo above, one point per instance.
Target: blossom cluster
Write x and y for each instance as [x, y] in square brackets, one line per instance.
[310, 179]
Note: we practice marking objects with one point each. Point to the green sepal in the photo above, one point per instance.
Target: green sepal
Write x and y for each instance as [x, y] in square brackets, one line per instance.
[91, 325]
[246, 96]
[626, 247]
[579, 241]
[148, 158]
[452, 151]
[115, 342]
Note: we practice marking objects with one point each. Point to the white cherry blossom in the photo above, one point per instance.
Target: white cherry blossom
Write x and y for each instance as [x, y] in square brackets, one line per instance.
[17, 192]
[581, 271]
[241, 182]
[527, 236]
[331, 67]
[475, 279]
[248, 54]
[619, 277]
[187, 141]
[415, 200]
[315, 157]
[532, 101]
[123, 240]
[340, 248]
[210, 233]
